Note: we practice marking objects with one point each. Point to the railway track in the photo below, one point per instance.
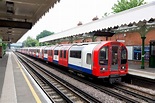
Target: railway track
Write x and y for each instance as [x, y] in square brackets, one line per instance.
[58, 90]
[112, 92]
[136, 93]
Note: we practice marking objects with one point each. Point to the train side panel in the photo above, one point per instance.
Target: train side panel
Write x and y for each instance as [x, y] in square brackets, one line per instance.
[75, 60]
[56, 54]
[87, 61]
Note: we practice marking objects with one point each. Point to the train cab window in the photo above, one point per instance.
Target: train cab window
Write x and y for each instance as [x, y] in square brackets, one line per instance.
[55, 52]
[123, 55]
[60, 53]
[88, 60]
[64, 53]
[103, 56]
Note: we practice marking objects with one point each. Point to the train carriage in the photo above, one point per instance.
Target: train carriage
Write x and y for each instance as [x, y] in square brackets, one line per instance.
[107, 59]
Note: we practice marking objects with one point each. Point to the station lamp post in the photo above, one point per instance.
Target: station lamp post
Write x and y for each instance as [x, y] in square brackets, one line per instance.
[143, 31]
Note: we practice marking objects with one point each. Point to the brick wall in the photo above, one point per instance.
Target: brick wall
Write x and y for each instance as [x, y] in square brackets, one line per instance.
[129, 39]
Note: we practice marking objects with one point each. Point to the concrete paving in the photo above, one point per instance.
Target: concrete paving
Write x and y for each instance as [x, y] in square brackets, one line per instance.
[14, 88]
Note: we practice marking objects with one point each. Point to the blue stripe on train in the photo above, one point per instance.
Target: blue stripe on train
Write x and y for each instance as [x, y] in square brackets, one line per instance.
[85, 70]
[45, 59]
[54, 61]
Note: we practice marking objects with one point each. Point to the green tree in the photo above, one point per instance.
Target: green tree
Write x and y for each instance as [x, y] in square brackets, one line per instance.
[30, 42]
[126, 4]
[44, 34]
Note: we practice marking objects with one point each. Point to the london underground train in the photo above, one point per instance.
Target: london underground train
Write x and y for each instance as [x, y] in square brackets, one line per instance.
[106, 59]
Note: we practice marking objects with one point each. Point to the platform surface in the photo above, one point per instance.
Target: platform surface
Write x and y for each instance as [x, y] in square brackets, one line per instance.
[136, 70]
[14, 87]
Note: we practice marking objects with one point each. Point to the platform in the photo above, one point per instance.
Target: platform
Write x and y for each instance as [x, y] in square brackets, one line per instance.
[146, 73]
[16, 85]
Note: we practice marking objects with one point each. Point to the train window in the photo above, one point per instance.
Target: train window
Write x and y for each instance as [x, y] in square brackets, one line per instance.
[64, 53]
[103, 56]
[123, 55]
[114, 56]
[88, 60]
[45, 51]
[60, 53]
[55, 52]
[75, 54]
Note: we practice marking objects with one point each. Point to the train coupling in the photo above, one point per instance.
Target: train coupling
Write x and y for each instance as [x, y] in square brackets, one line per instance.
[115, 80]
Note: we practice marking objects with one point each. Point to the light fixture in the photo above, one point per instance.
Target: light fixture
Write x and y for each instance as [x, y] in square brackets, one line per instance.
[10, 7]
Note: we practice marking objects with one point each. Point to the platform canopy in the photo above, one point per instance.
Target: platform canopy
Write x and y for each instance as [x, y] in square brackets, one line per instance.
[18, 16]
[129, 19]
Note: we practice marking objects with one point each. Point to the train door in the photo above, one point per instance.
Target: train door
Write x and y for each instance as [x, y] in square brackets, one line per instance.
[114, 58]
[63, 59]
[65, 63]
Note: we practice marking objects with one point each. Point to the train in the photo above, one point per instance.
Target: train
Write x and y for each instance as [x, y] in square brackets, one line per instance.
[105, 60]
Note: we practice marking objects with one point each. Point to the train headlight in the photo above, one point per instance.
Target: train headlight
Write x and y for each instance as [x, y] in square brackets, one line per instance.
[123, 67]
[103, 69]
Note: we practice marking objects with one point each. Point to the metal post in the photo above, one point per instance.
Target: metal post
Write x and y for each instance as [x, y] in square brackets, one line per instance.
[143, 42]
[94, 38]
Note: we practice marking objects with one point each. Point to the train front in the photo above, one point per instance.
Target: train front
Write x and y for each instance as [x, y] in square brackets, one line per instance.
[110, 61]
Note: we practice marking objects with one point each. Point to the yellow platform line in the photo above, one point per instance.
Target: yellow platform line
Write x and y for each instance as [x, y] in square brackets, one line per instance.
[29, 84]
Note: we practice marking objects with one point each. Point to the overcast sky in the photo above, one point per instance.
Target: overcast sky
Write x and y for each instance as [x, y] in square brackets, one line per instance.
[67, 13]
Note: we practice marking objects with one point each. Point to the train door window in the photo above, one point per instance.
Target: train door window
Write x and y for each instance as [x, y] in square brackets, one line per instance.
[51, 52]
[55, 52]
[114, 55]
[123, 55]
[45, 51]
[88, 60]
[60, 53]
[64, 53]
[103, 56]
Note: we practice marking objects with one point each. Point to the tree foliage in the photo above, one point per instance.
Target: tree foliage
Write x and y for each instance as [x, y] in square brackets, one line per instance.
[30, 42]
[44, 34]
[126, 4]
